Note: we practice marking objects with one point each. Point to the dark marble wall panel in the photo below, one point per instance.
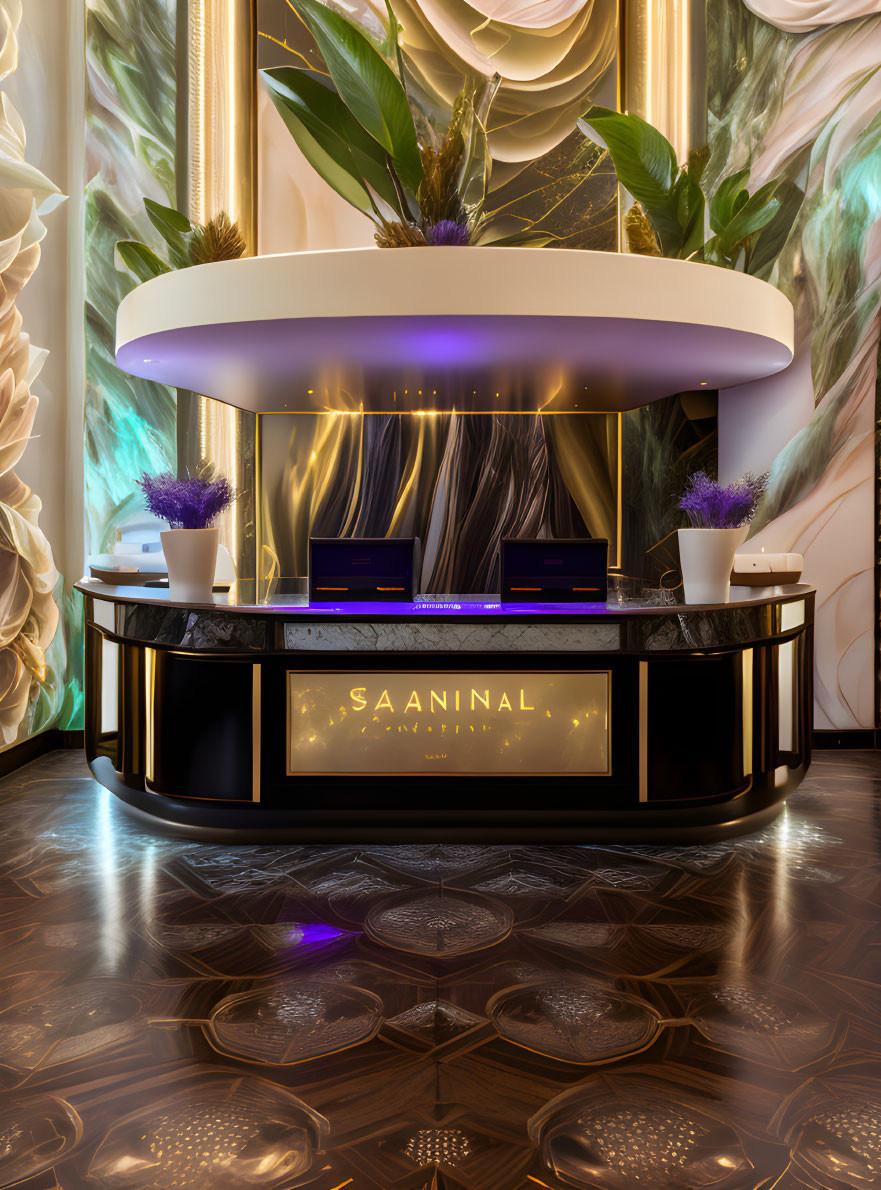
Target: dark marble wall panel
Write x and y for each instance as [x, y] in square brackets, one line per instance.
[459, 482]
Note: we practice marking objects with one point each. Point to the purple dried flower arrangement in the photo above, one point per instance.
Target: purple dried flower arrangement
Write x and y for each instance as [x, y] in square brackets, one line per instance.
[189, 503]
[711, 506]
[449, 232]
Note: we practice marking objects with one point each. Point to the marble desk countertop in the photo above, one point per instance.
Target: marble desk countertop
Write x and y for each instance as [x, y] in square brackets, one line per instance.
[445, 623]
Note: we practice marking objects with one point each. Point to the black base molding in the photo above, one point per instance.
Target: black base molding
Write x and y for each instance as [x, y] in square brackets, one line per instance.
[860, 738]
[248, 822]
[37, 745]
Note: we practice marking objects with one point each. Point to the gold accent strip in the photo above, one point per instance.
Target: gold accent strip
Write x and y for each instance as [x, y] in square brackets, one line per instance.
[149, 712]
[256, 729]
[327, 412]
[787, 719]
[217, 171]
[747, 658]
[643, 731]
[619, 497]
[665, 68]
[217, 65]
[792, 615]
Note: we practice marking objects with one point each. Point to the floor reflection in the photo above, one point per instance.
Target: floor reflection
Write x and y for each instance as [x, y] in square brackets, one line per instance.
[179, 1015]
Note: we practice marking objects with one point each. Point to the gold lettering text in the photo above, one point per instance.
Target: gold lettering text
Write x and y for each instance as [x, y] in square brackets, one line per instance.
[414, 704]
[475, 694]
[440, 700]
[523, 706]
[384, 701]
[505, 704]
[359, 702]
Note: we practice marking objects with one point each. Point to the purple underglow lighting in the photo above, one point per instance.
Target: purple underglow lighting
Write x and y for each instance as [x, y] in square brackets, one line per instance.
[277, 364]
[432, 345]
[311, 933]
[377, 610]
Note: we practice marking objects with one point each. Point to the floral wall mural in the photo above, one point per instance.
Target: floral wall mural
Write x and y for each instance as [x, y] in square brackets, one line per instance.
[34, 693]
[796, 90]
[130, 424]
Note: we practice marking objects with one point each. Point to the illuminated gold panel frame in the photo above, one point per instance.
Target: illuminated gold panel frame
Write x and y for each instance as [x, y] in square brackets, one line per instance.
[217, 171]
[402, 685]
[663, 68]
[256, 730]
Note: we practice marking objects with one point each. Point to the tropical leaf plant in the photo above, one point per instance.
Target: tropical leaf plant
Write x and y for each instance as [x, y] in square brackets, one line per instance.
[186, 243]
[671, 210]
[363, 132]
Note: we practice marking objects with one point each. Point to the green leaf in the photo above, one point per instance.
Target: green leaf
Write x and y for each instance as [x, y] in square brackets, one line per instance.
[367, 85]
[690, 205]
[172, 218]
[722, 204]
[646, 166]
[331, 139]
[141, 260]
[526, 237]
[393, 41]
[758, 211]
[711, 253]
[174, 227]
[697, 162]
[767, 244]
[350, 188]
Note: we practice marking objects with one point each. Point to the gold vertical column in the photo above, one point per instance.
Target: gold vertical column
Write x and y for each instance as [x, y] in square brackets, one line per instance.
[217, 171]
[665, 68]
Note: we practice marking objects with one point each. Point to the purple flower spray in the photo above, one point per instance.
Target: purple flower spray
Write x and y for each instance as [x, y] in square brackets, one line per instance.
[450, 233]
[189, 503]
[711, 506]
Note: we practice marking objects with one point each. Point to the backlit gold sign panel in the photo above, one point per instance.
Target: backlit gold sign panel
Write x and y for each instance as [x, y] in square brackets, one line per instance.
[493, 723]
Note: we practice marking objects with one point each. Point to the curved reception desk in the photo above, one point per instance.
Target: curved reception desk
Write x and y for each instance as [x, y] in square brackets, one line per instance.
[449, 719]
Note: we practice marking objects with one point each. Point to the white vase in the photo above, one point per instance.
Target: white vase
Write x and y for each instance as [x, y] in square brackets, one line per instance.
[706, 557]
[191, 557]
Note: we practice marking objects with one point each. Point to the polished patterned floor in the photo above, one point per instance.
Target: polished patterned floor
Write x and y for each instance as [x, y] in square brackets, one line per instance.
[175, 1015]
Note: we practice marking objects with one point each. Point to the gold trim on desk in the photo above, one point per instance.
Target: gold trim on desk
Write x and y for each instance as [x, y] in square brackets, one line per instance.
[643, 731]
[256, 729]
[791, 615]
[747, 660]
[149, 713]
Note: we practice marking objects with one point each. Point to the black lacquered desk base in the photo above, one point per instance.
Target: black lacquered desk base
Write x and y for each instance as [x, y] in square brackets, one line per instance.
[698, 720]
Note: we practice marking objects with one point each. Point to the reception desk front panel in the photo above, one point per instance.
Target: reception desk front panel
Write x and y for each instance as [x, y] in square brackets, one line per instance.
[417, 722]
[269, 722]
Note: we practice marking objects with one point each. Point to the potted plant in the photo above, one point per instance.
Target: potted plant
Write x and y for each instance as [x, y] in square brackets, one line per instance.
[673, 205]
[720, 519]
[373, 134]
[186, 243]
[190, 505]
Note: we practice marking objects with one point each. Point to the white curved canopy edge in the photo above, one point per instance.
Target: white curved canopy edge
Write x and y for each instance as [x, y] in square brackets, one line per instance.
[499, 327]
